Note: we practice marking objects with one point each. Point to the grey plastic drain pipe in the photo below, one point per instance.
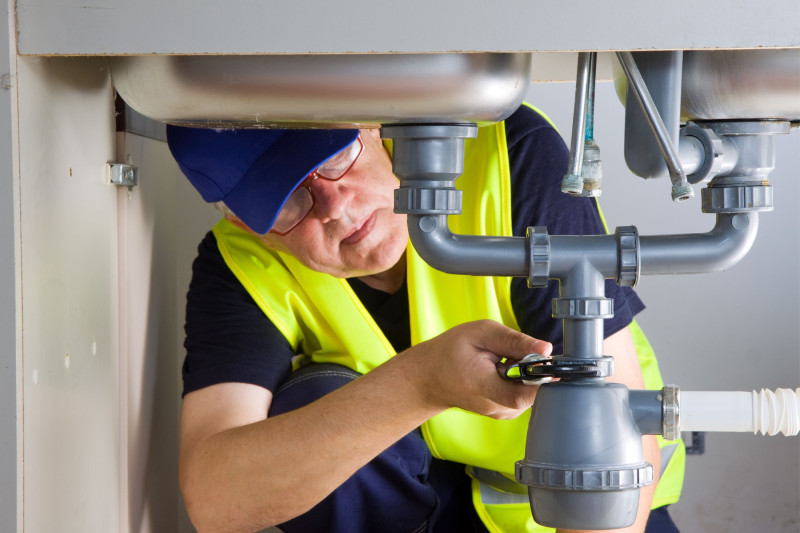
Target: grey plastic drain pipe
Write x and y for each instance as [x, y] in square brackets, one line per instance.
[717, 250]
[584, 461]
[466, 254]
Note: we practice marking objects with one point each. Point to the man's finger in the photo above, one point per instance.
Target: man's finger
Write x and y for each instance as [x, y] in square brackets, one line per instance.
[513, 344]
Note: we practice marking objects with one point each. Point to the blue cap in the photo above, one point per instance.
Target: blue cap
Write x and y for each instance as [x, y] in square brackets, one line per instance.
[252, 170]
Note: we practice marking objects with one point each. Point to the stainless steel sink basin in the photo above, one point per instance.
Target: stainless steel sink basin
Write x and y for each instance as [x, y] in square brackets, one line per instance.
[736, 84]
[741, 84]
[330, 90]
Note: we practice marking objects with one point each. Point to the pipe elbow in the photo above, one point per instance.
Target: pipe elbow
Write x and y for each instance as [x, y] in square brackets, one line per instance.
[734, 235]
[719, 249]
[433, 241]
[466, 254]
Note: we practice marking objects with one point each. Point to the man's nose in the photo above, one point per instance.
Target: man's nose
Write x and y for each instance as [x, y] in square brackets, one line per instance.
[331, 198]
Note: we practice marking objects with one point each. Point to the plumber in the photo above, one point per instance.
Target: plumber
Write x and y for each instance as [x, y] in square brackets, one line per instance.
[333, 381]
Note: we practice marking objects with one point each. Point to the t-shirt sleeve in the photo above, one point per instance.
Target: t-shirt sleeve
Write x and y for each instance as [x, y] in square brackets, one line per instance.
[538, 161]
[228, 337]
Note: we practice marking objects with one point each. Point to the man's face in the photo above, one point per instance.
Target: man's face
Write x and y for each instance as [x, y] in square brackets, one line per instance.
[352, 229]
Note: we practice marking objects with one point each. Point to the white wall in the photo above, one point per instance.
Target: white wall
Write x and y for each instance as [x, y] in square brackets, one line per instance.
[735, 330]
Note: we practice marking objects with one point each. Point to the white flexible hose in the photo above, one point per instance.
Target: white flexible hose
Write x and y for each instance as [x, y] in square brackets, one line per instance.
[768, 412]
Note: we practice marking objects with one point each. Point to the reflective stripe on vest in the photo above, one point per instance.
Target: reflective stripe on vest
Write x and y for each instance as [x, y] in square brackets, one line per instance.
[325, 321]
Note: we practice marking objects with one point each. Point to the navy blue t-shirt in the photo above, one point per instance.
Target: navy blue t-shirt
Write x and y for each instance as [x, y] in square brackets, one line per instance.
[229, 339]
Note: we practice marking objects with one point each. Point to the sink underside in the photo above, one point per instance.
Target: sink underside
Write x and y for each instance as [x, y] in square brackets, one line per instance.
[338, 90]
[371, 89]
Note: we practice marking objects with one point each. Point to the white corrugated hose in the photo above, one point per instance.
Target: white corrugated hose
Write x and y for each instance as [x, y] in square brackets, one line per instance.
[768, 412]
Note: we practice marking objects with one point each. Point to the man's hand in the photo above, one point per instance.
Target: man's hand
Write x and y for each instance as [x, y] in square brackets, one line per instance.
[458, 368]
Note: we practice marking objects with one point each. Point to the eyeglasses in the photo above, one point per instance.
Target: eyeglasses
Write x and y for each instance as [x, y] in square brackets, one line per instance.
[301, 201]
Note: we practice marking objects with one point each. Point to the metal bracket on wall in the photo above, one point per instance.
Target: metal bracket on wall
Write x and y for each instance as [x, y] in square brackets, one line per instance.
[123, 175]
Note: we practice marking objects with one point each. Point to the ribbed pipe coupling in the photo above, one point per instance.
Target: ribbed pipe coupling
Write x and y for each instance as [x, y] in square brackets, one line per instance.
[539, 245]
[627, 256]
[737, 199]
[420, 201]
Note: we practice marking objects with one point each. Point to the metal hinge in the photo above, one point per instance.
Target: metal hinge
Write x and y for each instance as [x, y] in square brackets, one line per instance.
[121, 174]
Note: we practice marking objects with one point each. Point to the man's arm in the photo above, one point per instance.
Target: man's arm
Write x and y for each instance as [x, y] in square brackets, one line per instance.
[628, 372]
[240, 470]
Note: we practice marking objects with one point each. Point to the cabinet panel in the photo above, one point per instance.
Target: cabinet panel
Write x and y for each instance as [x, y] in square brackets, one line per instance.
[310, 26]
[68, 262]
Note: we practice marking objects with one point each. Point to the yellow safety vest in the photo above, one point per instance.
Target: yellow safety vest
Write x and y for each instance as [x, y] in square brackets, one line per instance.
[324, 320]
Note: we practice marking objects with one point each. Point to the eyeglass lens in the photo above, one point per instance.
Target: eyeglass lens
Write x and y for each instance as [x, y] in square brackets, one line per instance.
[293, 211]
[335, 167]
[301, 201]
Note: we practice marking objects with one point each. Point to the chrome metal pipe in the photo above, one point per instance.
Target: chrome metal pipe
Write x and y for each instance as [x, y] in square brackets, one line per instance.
[573, 180]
